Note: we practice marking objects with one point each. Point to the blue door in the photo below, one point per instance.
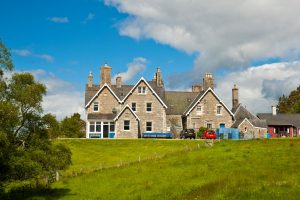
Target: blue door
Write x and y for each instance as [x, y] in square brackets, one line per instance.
[222, 125]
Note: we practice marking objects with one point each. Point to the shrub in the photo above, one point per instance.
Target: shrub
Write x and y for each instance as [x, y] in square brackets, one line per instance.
[201, 131]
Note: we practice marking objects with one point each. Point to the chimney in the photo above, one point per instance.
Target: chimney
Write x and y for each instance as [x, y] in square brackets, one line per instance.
[208, 81]
[119, 81]
[90, 80]
[196, 88]
[274, 110]
[235, 97]
[158, 78]
[105, 75]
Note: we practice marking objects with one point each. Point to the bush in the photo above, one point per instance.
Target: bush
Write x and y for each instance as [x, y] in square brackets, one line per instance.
[201, 132]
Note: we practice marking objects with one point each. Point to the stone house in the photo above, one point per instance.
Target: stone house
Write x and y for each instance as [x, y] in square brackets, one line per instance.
[127, 111]
[249, 125]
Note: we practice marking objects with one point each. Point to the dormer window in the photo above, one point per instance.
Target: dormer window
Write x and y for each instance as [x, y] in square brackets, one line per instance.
[142, 90]
[96, 106]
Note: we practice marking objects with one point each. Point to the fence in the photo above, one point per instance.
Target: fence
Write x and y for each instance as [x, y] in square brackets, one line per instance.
[228, 133]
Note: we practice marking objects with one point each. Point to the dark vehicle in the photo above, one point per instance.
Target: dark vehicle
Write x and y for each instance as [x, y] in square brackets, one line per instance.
[188, 133]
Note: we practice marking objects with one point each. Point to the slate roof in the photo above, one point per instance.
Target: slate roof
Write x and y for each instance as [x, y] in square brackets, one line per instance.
[178, 101]
[242, 113]
[120, 92]
[101, 116]
[281, 119]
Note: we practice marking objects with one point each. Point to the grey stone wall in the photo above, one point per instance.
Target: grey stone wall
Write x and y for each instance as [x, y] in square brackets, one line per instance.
[209, 114]
[134, 125]
[158, 114]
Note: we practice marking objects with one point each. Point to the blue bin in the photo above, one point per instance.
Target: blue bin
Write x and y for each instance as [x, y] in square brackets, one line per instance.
[111, 135]
[268, 135]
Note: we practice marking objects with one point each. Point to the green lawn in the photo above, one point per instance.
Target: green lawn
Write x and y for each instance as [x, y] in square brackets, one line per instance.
[177, 169]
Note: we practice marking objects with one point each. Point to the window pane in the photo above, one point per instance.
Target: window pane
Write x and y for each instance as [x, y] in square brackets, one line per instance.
[126, 125]
[219, 109]
[92, 126]
[98, 127]
[133, 106]
[148, 126]
[96, 106]
[149, 107]
[112, 127]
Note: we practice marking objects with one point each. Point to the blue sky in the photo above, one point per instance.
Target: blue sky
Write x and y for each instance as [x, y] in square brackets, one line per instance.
[81, 44]
[252, 44]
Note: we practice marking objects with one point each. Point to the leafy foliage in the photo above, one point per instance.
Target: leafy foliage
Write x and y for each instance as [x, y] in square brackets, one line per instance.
[73, 127]
[26, 153]
[290, 104]
[201, 132]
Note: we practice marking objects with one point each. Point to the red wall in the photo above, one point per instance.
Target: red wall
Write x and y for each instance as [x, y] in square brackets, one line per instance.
[271, 131]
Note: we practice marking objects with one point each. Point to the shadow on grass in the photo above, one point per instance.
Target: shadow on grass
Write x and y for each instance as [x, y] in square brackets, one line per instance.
[38, 193]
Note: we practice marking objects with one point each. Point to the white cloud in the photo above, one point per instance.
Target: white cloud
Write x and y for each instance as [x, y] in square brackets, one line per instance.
[229, 33]
[22, 52]
[62, 98]
[260, 87]
[45, 57]
[90, 17]
[133, 69]
[59, 19]
[26, 52]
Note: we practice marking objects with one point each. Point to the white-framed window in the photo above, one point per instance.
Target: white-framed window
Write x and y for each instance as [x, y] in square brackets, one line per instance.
[148, 126]
[199, 109]
[95, 127]
[149, 107]
[126, 125]
[112, 127]
[133, 106]
[96, 106]
[142, 90]
[209, 125]
[219, 110]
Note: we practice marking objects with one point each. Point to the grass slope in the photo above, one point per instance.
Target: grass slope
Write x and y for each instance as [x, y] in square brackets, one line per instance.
[261, 169]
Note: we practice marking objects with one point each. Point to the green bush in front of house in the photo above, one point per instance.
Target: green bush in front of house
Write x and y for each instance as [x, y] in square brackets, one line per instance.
[201, 132]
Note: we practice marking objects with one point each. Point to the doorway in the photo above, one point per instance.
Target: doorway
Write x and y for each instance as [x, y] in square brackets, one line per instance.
[105, 130]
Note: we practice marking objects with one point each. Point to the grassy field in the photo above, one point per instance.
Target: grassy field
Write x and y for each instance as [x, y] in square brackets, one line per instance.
[177, 169]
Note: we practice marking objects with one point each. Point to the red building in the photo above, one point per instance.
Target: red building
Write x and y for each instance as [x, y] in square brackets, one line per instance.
[282, 125]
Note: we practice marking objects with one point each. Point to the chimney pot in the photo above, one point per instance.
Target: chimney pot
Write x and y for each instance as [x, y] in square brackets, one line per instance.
[196, 88]
[274, 110]
[119, 81]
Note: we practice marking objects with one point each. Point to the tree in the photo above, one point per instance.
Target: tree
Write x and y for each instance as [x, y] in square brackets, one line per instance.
[26, 153]
[73, 127]
[52, 126]
[290, 104]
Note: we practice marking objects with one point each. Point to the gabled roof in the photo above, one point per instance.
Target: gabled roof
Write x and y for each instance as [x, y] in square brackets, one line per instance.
[148, 85]
[200, 96]
[126, 107]
[241, 113]
[281, 119]
[254, 122]
[97, 93]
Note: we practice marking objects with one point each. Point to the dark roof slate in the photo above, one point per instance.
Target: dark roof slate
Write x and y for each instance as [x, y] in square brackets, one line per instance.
[242, 113]
[199, 95]
[177, 102]
[281, 119]
[101, 116]
[120, 92]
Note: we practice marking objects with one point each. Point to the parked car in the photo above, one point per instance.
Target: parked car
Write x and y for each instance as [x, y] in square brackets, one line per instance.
[188, 133]
[209, 134]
